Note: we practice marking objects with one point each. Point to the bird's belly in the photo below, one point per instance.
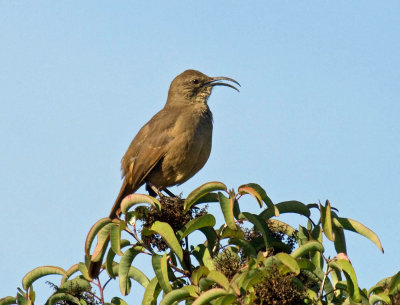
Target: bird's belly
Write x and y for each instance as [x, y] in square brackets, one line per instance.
[185, 157]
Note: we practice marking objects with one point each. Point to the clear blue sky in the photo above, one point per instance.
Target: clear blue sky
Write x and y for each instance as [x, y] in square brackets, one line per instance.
[317, 116]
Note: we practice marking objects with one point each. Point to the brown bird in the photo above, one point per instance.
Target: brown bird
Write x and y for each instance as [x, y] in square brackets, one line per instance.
[176, 143]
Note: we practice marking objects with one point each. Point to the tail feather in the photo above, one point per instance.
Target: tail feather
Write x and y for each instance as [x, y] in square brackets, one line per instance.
[94, 267]
[125, 191]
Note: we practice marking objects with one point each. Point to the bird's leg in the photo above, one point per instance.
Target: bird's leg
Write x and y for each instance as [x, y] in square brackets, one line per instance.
[153, 190]
[169, 193]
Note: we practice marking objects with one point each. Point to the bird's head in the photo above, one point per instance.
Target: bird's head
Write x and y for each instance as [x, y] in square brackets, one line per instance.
[195, 87]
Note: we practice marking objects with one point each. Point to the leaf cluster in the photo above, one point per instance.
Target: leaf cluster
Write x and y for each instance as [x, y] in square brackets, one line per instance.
[248, 259]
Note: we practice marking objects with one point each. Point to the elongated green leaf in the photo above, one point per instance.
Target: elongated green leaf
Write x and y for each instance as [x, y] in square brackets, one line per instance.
[326, 220]
[133, 273]
[340, 240]
[211, 236]
[203, 256]
[69, 272]
[373, 299]
[198, 274]
[395, 284]
[55, 298]
[177, 295]
[227, 210]
[110, 257]
[316, 256]
[8, 300]
[206, 220]
[201, 191]
[219, 278]
[209, 295]
[39, 272]
[259, 193]
[151, 292]
[292, 206]
[289, 262]
[355, 226]
[226, 300]
[351, 279]
[103, 238]
[261, 226]
[118, 301]
[160, 266]
[115, 239]
[124, 267]
[167, 233]
[134, 199]
[93, 232]
[312, 245]
[280, 226]
[245, 246]
[77, 283]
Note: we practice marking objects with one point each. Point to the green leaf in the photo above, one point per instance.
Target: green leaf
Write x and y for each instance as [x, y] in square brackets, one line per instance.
[351, 279]
[394, 284]
[340, 240]
[201, 191]
[355, 226]
[219, 278]
[206, 220]
[115, 237]
[57, 297]
[373, 299]
[69, 272]
[280, 226]
[261, 226]
[103, 237]
[245, 246]
[93, 232]
[124, 267]
[133, 273]
[160, 266]
[316, 256]
[312, 245]
[209, 295]
[198, 274]
[39, 272]
[110, 257]
[326, 220]
[151, 293]
[289, 262]
[178, 295]
[260, 195]
[203, 256]
[167, 233]
[227, 210]
[226, 300]
[292, 206]
[8, 300]
[134, 199]
[118, 301]
[78, 282]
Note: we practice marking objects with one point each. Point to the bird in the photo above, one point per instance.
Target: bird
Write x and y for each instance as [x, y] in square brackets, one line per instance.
[176, 143]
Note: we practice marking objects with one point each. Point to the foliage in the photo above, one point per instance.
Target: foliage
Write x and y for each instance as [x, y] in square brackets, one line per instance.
[249, 259]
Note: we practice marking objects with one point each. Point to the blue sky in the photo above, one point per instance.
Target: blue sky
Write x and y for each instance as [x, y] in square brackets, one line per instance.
[316, 118]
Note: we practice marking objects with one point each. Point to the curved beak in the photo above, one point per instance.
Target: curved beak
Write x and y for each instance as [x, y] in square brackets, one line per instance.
[217, 81]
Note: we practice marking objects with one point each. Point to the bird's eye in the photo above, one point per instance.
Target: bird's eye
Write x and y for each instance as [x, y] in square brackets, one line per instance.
[195, 81]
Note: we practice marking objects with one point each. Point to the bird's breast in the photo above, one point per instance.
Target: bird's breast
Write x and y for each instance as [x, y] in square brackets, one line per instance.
[188, 150]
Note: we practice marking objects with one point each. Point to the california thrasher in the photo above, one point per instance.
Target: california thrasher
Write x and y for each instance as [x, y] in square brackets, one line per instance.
[176, 143]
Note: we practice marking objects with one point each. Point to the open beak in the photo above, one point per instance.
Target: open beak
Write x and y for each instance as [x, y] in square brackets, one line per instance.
[217, 81]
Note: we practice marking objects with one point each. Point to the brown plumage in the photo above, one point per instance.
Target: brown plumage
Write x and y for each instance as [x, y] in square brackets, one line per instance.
[176, 143]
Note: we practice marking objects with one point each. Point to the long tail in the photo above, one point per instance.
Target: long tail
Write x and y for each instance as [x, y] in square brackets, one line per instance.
[94, 267]
[125, 191]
